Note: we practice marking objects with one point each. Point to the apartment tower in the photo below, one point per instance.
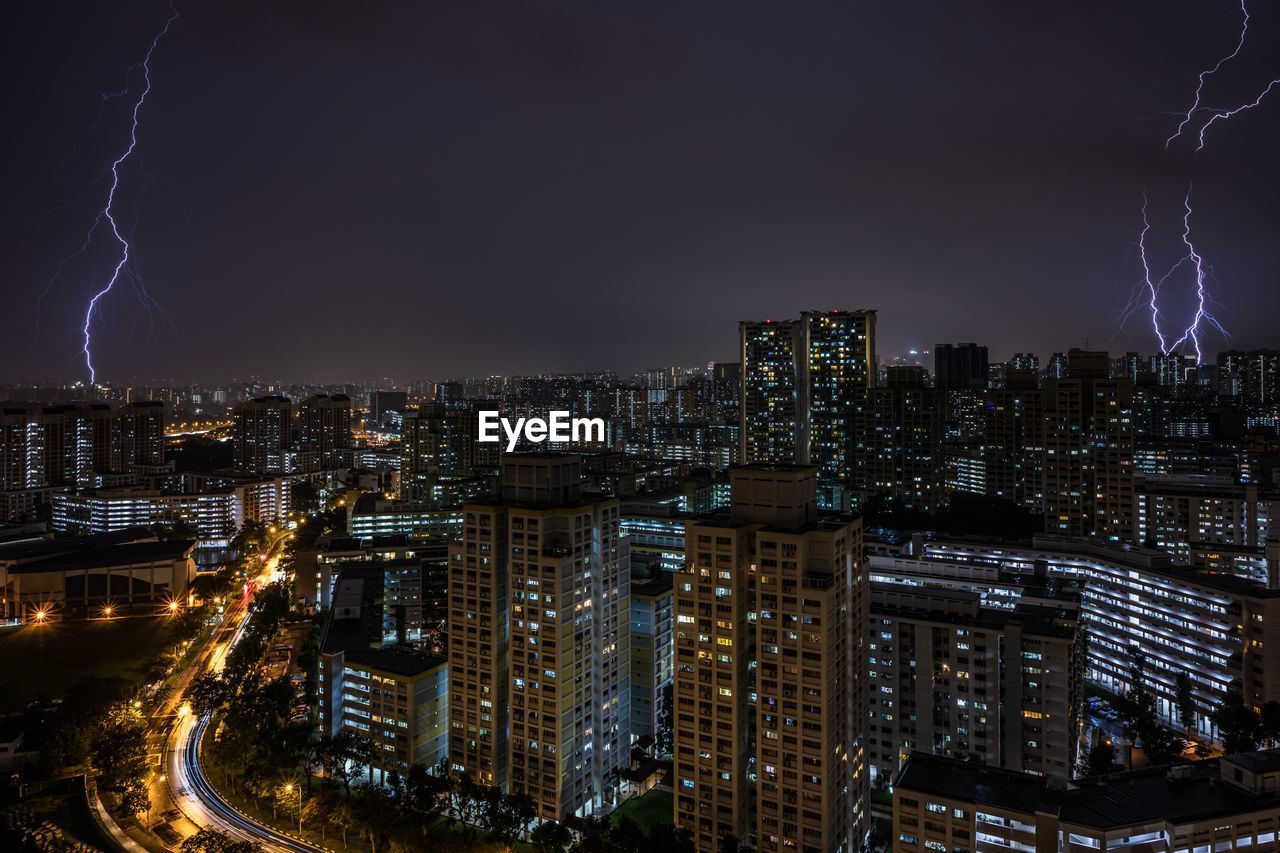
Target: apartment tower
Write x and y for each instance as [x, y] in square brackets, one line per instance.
[799, 379]
[1088, 450]
[801, 575]
[261, 433]
[538, 635]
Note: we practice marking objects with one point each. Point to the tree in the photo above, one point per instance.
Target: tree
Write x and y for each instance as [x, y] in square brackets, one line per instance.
[1185, 701]
[1161, 745]
[593, 836]
[210, 585]
[342, 816]
[119, 752]
[425, 793]
[207, 693]
[507, 816]
[668, 839]
[260, 783]
[287, 801]
[213, 841]
[315, 811]
[69, 729]
[1270, 722]
[375, 813]
[1102, 759]
[550, 837]
[1140, 720]
[350, 747]
[309, 662]
[134, 799]
[1238, 724]
[251, 535]
[464, 803]
[628, 836]
[304, 497]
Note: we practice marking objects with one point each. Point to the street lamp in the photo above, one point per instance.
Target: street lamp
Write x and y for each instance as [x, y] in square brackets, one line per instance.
[41, 615]
[289, 786]
[107, 610]
[174, 607]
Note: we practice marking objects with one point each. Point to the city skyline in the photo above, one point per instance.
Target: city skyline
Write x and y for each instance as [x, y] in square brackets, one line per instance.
[659, 160]
[739, 427]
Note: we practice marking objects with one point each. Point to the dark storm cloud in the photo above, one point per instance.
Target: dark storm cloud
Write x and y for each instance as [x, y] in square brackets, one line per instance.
[347, 190]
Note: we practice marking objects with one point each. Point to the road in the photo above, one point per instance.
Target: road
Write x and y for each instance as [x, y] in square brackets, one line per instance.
[182, 785]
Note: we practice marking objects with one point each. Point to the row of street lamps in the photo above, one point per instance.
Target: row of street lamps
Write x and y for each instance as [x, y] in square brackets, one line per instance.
[42, 614]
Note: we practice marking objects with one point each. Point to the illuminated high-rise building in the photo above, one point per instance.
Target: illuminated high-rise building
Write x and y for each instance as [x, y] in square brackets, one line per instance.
[839, 359]
[770, 391]
[97, 443]
[324, 428]
[1253, 375]
[897, 441]
[383, 403]
[1013, 439]
[22, 454]
[799, 380]
[262, 433]
[479, 636]
[1088, 450]
[141, 428]
[538, 640]
[772, 581]
[44, 449]
[436, 440]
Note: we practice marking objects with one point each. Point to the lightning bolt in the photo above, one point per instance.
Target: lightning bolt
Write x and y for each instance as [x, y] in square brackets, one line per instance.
[1221, 114]
[1203, 318]
[1202, 315]
[1205, 75]
[1145, 292]
[108, 211]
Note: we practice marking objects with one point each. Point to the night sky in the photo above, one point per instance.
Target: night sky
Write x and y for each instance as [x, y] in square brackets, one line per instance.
[349, 190]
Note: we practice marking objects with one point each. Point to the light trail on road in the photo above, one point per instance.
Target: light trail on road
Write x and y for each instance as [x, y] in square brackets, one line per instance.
[205, 807]
[188, 787]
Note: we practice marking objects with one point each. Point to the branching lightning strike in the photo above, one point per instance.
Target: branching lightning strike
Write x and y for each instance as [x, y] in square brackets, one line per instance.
[1219, 113]
[1193, 331]
[1206, 74]
[122, 267]
[1146, 292]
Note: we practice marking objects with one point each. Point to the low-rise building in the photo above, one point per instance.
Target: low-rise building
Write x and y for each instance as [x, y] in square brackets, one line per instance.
[1138, 610]
[1230, 803]
[396, 697]
[89, 576]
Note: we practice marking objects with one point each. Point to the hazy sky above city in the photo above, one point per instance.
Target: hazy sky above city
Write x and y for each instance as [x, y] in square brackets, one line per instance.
[346, 190]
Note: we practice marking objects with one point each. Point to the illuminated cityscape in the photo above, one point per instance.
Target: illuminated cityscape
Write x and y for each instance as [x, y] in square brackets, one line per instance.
[724, 428]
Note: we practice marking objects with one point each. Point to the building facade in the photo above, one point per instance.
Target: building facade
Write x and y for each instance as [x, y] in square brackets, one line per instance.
[1229, 803]
[262, 432]
[1002, 686]
[539, 653]
[800, 574]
